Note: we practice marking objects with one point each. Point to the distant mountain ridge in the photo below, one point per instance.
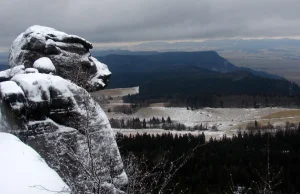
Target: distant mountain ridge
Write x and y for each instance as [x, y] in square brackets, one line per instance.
[192, 73]
[249, 45]
[148, 60]
[102, 53]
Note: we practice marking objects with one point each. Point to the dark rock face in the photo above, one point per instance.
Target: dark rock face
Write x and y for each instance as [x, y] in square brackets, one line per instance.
[56, 117]
[69, 54]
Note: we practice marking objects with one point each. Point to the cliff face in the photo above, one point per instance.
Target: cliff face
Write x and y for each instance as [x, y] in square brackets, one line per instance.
[56, 117]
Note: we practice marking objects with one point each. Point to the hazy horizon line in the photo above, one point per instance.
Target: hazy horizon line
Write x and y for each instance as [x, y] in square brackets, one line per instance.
[102, 45]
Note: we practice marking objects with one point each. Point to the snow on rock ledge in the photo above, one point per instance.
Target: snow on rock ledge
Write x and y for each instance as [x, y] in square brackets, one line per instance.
[44, 65]
[9, 73]
[24, 171]
[69, 54]
[9, 87]
[31, 70]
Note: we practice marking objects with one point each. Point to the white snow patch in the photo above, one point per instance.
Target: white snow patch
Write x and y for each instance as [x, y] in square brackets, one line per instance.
[3, 74]
[39, 85]
[44, 63]
[40, 31]
[31, 70]
[10, 87]
[227, 120]
[12, 72]
[24, 171]
[118, 92]
[102, 70]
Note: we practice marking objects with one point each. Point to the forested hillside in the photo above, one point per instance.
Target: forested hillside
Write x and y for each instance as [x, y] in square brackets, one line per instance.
[199, 78]
[223, 166]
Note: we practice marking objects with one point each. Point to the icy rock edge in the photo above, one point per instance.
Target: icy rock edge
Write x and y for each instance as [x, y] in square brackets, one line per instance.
[42, 105]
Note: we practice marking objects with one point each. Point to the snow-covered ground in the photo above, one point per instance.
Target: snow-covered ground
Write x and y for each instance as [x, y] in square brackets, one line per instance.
[224, 118]
[227, 120]
[118, 92]
[23, 171]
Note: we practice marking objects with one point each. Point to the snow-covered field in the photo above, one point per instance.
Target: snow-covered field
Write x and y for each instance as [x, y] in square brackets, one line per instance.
[24, 171]
[224, 118]
[118, 92]
[227, 120]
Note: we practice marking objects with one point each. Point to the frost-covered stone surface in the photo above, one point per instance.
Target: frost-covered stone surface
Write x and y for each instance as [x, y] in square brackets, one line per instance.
[55, 116]
[69, 54]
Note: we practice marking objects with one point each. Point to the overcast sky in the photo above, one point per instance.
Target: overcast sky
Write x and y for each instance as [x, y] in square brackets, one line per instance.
[115, 21]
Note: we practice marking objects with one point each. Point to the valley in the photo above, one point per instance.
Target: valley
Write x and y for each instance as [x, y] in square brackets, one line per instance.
[220, 121]
[279, 64]
[150, 97]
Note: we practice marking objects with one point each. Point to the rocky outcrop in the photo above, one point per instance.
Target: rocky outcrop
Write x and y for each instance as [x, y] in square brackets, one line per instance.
[56, 117]
[69, 54]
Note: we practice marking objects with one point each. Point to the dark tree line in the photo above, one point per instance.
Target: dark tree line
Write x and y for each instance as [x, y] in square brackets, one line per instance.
[137, 123]
[221, 165]
[155, 122]
[216, 101]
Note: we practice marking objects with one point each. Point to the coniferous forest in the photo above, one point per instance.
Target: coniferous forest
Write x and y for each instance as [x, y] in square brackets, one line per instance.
[246, 163]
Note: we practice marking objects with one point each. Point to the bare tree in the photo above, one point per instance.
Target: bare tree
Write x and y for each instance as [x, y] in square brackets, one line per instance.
[268, 179]
[157, 178]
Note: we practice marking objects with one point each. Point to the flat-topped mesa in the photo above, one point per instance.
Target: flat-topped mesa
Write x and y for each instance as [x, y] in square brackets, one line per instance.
[69, 54]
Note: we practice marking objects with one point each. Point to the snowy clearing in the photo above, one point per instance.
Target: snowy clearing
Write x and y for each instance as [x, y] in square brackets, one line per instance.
[224, 118]
[227, 120]
[118, 92]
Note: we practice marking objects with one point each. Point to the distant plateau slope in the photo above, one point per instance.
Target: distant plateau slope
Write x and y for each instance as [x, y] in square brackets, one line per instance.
[192, 73]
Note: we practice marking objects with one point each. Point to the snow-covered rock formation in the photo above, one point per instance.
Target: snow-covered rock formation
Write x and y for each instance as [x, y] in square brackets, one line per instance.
[56, 117]
[24, 171]
[69, 54]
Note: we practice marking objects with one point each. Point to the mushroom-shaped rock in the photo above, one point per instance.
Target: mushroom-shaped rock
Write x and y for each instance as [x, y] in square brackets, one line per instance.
[69, 54]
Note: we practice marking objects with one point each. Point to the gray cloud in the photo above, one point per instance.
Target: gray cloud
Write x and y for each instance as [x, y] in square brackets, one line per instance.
[103, 21]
